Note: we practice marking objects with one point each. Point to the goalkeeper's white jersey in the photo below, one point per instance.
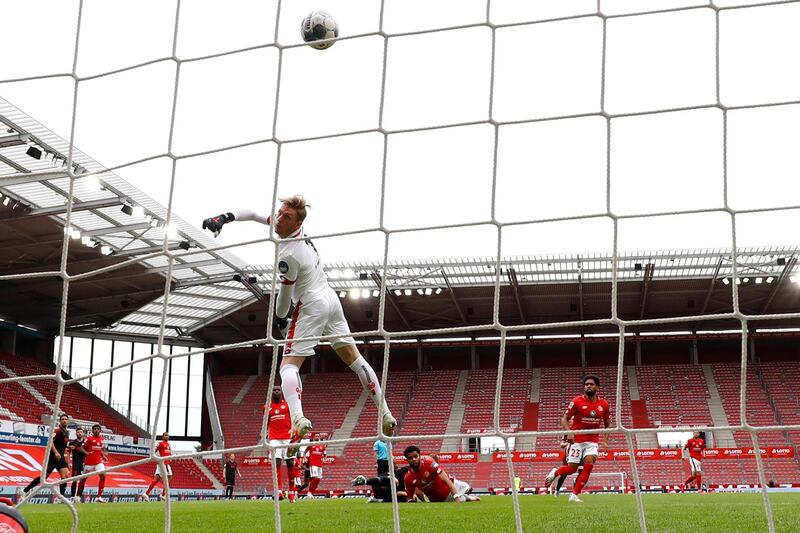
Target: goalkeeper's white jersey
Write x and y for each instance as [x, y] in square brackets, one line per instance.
[300, 268]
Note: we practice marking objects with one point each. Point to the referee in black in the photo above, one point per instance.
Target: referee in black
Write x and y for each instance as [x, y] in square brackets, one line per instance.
[231, 470]
[56, 461]
[77, 457]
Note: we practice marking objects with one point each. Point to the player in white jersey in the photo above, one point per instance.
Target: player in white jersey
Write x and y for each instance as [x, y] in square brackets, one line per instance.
[317, 309]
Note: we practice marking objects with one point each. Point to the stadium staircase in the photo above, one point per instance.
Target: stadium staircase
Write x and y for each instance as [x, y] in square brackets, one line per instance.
[479, 399]
[456, 414]
[531, 420]
[248, 384]
[345, 431]
[208, 473]
[718, 413]
[641, 418]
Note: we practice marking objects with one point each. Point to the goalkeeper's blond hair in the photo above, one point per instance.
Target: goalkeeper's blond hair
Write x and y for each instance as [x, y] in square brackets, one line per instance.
[298, 203]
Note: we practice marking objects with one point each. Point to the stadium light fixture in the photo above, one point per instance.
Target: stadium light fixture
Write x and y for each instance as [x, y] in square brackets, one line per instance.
[793, 279]
[759, 281]
[154, 222]
[398, 292]
[171, 231]
[738, 281]
[438, 290]
[770, 279]
[428, 291]
[376, 293]
[355, 294]
[92, 183]
[105, 250]
[746, 280]
[726, 281]
[342, 294]
[407, 292]
[87, 241]
[73, 233]
[6, 200]
[365, 293]
[420, 292]
[138, 211]
[34, 152]
[127, 209]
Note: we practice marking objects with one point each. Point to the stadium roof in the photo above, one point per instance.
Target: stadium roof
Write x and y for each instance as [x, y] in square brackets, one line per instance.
[217, 299]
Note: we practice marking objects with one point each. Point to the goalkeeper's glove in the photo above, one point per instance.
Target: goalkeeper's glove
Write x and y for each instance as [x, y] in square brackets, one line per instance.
[283, 323]
[214, 224]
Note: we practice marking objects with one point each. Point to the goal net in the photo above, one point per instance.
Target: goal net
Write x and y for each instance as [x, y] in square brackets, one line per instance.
[632, 122]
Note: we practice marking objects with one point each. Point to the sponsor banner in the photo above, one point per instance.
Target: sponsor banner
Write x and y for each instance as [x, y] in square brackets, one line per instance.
[770, 452]
[19, 463]
[263, 461]
[35, 440]
[128, 450]
[489, 431]
[444, 457]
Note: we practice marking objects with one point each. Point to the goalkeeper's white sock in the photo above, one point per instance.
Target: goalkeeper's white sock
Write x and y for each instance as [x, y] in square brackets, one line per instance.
[292, 389]
[369, 381]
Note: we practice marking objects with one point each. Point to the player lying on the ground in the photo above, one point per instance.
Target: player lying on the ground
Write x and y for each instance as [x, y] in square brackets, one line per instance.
[381, 488]
[317, 309]
[584, 412]
[426, 475]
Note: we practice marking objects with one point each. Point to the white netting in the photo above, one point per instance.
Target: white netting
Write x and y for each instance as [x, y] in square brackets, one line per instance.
[503, 330]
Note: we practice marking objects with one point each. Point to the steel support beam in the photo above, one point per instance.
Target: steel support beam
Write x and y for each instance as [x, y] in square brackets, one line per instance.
[454, 298]
[710, 289]
[512, 276]
[648, 277]
[391, 299]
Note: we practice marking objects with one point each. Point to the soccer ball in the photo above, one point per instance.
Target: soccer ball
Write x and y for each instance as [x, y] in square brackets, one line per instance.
[316, 26]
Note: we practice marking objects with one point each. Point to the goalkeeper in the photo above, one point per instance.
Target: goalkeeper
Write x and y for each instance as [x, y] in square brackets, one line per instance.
[317, 310]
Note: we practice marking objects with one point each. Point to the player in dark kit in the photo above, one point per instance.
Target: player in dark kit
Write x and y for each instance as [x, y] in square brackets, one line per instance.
[381, 488]
[231, 470]
[57, 459]
[77, 458]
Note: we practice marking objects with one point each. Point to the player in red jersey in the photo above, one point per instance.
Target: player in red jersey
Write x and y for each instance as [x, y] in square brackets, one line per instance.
[425, 475]
[695, 445]
[93, 447]
[163, 449]
[584, 412]
[315, 453]
[279, 426]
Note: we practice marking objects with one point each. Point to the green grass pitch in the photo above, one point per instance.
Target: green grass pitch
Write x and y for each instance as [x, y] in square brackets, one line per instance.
[672, 513]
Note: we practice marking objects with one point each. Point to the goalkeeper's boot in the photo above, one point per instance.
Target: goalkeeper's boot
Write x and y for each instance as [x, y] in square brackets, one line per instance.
[300, 427]
[389, 424]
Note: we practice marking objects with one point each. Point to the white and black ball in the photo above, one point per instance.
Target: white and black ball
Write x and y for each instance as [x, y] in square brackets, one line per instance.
[317, 26]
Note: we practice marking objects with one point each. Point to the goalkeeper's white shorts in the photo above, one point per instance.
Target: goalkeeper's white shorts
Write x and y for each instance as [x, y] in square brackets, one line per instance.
[462, 488]
[321, 315]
